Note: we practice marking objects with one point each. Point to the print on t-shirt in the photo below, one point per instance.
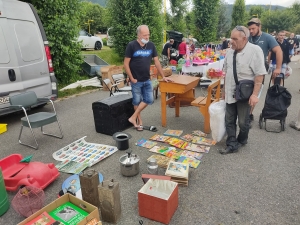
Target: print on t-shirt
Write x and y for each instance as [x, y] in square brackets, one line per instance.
[142, 53]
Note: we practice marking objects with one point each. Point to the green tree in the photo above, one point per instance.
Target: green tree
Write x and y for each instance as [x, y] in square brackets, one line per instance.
[223, 24]
[91, 11]
[60, 20]
[278, 20]
[205, 20]
[296, 29]
[296, 10]
[178, 9]
[238, 13]
[255, 11]
[127, 15]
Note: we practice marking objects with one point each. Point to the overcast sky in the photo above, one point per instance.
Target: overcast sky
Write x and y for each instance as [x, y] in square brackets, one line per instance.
[285, 3]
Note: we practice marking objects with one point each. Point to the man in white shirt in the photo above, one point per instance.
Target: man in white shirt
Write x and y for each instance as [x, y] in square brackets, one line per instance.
[249, 66]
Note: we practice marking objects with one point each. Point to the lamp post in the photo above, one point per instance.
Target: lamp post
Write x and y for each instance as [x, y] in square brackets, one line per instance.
[89, 24]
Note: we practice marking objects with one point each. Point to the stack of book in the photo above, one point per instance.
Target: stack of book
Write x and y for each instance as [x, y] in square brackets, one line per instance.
[179, 172]
[162, 161]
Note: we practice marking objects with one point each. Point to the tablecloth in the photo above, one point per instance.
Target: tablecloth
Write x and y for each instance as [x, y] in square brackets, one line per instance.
[203, 68]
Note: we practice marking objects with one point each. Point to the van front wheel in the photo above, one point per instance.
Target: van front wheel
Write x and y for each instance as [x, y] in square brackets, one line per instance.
[98, 45]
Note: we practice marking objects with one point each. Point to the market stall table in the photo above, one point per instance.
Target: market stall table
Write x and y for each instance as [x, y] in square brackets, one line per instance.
[182, 88]
[203, 68]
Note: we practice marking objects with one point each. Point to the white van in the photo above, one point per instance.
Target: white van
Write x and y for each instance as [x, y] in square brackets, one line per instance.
[25, 59]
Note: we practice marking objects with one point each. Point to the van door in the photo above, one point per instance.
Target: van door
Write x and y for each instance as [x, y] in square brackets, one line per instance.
[29, 47]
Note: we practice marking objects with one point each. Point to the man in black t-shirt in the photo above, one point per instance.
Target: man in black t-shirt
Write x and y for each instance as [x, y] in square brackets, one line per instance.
[166, 53]
[138, 57]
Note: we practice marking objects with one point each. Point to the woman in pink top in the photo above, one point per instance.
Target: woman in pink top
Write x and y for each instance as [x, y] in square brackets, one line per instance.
[182, 48]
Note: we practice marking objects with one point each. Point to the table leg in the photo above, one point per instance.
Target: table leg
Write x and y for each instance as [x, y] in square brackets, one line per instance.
[177, 106]
[163, 109]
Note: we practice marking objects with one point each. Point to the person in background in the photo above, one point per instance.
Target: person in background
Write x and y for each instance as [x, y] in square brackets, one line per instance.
[293, 44]
[224, 43]
[166, 53]
[182, 48]
[138, 56]
[267, 43]
[191, 46]
[285, 47]
[249, 62]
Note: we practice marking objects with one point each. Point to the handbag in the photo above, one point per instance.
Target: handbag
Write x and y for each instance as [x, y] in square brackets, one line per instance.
[244, 88]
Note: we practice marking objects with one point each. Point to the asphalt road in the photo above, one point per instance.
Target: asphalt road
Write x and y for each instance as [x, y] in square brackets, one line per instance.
[258, 185]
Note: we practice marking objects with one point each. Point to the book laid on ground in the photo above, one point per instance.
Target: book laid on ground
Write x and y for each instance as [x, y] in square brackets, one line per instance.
[203, 141]
[173, 133]
[187, 137]
[68, 213]
[195, 155]
[179, 172]
[162, 161]
[174, 153]
[195, 147]
[176, 142]
[160, 138]
[146, 143]
[199, 133]
[161, 149]
[194, 163]
[177, 169]
[44, 219]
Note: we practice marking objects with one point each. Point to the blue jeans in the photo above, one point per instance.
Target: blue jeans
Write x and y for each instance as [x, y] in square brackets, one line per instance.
[240, 110]
[142, 92]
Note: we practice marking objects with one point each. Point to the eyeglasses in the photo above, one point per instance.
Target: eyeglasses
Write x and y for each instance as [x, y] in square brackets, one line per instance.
[240, 28]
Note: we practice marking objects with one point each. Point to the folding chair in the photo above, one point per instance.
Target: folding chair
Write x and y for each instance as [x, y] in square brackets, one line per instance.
[118, 79]
[40, 119]
[113, 88]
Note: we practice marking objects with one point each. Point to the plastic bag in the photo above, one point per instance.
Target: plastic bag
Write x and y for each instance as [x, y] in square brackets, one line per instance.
[217, 120]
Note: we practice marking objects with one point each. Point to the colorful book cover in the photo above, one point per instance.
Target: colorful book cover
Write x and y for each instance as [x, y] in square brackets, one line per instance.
[71, 167]
[187, 137]
[145, 143]
[176, 142]
[68, 213]
[194, 163]
[160, 138]
[43, 219]
[178, 169]
[195, 155]
[199, 133]
[174, 133]
[161, 149]
[196, 148]
[174, 154]
[203, 141]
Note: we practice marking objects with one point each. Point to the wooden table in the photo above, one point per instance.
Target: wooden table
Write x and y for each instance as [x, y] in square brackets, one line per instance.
[182, 88]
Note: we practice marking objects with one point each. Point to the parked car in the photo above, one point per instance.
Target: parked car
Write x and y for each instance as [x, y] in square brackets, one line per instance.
[25, 59]
[89, 41]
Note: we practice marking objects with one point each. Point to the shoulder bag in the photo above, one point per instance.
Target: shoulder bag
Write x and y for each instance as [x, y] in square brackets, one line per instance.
[244, 88]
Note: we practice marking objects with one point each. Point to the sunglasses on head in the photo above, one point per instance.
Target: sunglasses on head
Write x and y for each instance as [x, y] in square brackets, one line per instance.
[240, 28]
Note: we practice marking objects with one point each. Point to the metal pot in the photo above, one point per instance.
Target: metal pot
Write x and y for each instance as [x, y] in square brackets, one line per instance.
[129, 164]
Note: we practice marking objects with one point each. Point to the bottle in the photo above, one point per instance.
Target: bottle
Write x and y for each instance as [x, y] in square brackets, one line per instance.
[152, 166]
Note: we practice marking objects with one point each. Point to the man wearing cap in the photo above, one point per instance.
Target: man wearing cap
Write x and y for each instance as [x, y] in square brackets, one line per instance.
[267, 43]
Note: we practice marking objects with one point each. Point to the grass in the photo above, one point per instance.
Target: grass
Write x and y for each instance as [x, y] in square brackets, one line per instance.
[107, 54]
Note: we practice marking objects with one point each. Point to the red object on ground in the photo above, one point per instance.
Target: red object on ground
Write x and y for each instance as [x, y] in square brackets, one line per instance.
[173, 62]
[17, 174]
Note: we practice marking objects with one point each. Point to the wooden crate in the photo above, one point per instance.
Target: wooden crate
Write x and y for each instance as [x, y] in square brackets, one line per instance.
[108, 71]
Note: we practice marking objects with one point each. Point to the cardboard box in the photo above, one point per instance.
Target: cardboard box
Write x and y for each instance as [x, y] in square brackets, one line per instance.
[158, 200]
[108, 71]
[92, 210]
[167, 72]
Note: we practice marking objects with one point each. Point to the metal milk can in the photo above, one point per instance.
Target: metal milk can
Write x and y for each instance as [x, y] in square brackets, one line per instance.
[152, 166]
